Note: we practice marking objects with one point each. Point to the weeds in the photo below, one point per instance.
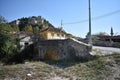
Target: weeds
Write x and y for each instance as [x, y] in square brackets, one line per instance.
[97, 68]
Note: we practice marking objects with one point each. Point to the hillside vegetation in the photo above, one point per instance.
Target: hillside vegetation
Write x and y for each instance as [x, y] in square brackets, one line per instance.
[99, 68]
[30, 24]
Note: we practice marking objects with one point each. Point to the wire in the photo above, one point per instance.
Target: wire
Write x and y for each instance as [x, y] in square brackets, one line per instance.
[106, 15]
[94, 18]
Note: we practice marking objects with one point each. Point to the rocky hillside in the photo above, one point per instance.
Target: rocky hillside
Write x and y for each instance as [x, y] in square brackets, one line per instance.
[99, 68]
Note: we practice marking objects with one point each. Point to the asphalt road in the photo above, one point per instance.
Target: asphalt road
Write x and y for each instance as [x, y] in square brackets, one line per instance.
[117, 50]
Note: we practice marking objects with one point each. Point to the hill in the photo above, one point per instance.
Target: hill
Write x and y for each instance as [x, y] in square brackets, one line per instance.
[34, 21]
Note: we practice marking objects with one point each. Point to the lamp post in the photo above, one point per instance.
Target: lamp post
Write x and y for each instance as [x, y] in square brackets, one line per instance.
[90, 37]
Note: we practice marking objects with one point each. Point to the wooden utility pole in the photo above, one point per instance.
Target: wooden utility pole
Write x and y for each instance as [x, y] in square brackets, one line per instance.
[90, 37]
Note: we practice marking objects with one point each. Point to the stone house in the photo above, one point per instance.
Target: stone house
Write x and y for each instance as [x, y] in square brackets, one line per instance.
[35, 20]
[52, 33]
[109, 41]
[32, 21]
[14, 23]
[25, 39]
[109, 38]
[40, 19]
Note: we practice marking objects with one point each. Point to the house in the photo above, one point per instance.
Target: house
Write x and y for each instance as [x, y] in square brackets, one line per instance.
[32, 21]
[109, 38]
[25, 39]
[14, 23]
[107, 41]
[40, 19]
[35, 20]
[52, 33]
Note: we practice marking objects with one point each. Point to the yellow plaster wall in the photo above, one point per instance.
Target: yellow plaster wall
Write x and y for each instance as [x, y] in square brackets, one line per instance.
[43, 35]
[48, 35]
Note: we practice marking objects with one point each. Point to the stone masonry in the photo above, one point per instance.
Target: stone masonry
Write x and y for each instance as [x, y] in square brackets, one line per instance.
[68, 48]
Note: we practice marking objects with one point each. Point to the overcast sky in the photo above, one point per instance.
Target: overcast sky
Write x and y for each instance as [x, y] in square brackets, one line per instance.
[70, 11]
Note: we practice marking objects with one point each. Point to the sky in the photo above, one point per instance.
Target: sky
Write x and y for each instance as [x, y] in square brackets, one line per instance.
[73, 13]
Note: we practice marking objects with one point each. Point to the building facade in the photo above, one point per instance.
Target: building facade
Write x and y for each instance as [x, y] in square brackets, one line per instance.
[25, 39]
[52, 33]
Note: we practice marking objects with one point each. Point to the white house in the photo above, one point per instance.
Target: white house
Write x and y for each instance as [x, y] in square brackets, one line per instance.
[25, 39]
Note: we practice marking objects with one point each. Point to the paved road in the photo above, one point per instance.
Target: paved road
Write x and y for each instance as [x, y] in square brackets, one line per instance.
[106, 50]
[117, 50]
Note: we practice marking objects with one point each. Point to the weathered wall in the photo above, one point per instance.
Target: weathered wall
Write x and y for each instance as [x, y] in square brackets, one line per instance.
[68, 48]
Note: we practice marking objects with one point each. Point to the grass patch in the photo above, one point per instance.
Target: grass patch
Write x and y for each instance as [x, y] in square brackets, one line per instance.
[97, 68]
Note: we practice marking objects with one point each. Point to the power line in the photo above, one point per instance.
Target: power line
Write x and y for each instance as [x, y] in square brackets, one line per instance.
[94, 18]
[106, 15]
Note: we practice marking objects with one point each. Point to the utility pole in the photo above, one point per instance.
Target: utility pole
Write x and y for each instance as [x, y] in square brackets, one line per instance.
[61, 29]
[61, 23]
[90, 37]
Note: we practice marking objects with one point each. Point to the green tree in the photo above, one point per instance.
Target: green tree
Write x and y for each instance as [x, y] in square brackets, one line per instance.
[70, 36]
[16, 28]
[2, 20]
[36, 30]
[94, 36]
[102, 34]
[28, 28]
[88, 35]
[40, 25]
[7, 42]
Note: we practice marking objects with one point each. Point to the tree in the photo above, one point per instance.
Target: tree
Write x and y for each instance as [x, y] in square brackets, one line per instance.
[40, 25]
[112, 32]
[70, 36]
[94, 36]
[36, 32]
[15, 28]
[102, 34]
[2, 20]
[88, 36]
[28, 28]
[7, 41]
